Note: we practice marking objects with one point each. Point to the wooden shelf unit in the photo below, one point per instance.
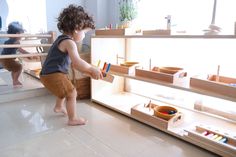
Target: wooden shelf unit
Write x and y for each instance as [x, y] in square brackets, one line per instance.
[121, 95]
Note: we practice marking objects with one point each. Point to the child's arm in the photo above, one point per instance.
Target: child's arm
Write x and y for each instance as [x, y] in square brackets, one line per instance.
[21, 50]
[79, 63]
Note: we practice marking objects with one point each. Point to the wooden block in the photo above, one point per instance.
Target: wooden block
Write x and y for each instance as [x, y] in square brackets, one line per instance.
[225, 149]
[144, 114]
[108, 78]
[157, 32]
[222, 87]
[126, 31]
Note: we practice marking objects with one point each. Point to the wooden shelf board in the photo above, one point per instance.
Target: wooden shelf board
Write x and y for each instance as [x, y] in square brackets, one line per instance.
[123, 102]
[168, 36]
[176, 85]
[24, 45]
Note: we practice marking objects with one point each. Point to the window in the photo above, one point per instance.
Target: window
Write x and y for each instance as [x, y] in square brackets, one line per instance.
[192, 16]
[32, 14]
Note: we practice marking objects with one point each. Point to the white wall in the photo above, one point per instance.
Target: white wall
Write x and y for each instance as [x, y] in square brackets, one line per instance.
[53, 8]
[4, 10]
[113, 12]
[99, 10]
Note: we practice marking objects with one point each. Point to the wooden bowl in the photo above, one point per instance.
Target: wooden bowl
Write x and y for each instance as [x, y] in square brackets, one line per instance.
[170, 70]
[165, 112]
[128, 63]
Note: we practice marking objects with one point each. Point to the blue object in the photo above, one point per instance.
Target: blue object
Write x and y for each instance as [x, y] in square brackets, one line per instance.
[233, 84]
[171, 112]
[223, 140]
[108, 67]
[0, 22]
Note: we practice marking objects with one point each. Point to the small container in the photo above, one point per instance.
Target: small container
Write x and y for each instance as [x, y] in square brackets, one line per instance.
[170, 70]
[165, 112]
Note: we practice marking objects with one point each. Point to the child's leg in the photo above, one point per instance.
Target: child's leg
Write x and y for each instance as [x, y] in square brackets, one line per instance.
[71, 110]
[59, 108]
[15, 78]
[16, 71]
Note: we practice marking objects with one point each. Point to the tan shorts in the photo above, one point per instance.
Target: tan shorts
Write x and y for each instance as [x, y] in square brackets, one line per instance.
[58, 84]
[11, 65]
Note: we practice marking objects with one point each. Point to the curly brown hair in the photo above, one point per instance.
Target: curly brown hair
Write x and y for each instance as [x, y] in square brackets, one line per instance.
[74, 18]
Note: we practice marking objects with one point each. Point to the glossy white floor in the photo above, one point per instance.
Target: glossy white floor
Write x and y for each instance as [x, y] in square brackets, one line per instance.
[29, 128]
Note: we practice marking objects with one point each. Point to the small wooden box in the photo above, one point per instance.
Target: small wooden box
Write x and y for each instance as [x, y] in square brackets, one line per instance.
[158, 75]
[222, 87]
[108, 77]
[126, 31]
[122, 69]
[157, 32]
[198, 135]
[146, 115]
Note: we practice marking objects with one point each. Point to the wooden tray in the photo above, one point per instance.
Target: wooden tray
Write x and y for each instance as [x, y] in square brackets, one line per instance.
[157, 32]
[122, 69]
[166, 77]
[225, 149]
[145, 114]
[222, 87]
[126, 31]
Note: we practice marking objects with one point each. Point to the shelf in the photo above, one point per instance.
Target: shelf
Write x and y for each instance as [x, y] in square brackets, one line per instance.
[129, 90]
[177, 85]
[122, 102]
[167, 36]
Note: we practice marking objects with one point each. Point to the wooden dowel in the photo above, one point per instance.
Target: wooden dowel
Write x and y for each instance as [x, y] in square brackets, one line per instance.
[22, 55]
[25, 35]
[218, 74]
[23, 45]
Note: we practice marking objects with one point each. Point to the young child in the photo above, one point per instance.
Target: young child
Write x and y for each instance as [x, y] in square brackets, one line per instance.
[12, 64]
[73, 22]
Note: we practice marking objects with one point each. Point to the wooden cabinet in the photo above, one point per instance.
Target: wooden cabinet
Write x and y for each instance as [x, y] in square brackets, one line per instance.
[198, 56]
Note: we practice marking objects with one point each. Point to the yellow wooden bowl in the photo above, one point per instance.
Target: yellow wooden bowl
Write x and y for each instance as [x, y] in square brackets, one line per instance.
[129, 64]
[165, 112]
[170, 70]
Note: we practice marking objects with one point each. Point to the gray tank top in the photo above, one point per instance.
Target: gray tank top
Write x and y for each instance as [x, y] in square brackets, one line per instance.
[56, 61]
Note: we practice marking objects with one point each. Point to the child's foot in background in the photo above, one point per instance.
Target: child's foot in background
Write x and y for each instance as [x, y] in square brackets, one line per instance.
[78, 121]
[60, 110]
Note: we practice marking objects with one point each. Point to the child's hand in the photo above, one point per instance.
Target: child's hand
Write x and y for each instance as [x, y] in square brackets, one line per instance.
[96, 73]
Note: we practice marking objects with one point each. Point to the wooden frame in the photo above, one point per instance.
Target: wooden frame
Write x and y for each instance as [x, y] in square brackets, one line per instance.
[51, 36]
[210, 84]
[157, 32]
[227, 148]
[125, 31]
[146, 114]
[166, 77]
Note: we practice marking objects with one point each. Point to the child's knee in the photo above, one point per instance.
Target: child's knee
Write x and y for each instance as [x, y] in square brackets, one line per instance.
[72, 94]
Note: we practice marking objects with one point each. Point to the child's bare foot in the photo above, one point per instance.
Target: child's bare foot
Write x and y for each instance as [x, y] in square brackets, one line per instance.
[60, 110]
[17, 84]
[78, 121]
